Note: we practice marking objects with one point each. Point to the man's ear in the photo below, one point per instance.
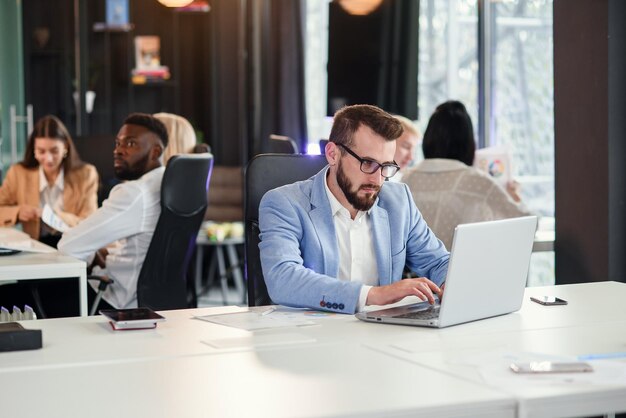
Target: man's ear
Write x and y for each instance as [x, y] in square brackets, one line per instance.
[157, 151]
[332, 153]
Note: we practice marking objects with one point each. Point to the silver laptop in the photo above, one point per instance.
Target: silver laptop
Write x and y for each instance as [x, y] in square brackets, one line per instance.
[486, 276]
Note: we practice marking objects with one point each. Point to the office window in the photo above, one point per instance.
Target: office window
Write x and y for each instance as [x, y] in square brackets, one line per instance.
[448, 56]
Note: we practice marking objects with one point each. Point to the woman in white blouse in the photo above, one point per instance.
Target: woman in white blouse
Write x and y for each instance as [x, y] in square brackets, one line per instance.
[447, 189]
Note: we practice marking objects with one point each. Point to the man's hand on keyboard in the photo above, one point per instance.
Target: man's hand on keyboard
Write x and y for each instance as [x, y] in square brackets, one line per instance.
[420, 287]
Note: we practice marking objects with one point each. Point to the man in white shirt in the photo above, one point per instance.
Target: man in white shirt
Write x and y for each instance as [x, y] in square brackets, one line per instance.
[126, 221]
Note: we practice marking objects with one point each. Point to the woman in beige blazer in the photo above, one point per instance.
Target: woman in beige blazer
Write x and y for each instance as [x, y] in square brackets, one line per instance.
[51, 173]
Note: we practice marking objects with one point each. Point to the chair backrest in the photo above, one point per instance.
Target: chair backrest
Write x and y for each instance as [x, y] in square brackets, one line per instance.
[323, 143]
[162, 282]
[282, 145]
[265, 172]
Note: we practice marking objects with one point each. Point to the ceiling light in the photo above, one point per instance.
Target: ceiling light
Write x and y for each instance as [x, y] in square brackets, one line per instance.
[175, 3]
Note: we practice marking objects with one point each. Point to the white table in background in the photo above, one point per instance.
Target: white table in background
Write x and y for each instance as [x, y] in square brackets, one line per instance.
[545, 235]
[51, 265]
[234, 264]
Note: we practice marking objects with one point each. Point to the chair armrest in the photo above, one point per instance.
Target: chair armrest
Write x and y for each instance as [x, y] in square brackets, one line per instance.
[104, 281]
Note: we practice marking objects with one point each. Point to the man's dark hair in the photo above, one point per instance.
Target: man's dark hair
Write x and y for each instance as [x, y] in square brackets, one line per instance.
[150, 123]
[348, 119]
[450, 134]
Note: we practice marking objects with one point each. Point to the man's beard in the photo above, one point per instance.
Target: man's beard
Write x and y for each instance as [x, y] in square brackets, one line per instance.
[138, 169]
[363, 203]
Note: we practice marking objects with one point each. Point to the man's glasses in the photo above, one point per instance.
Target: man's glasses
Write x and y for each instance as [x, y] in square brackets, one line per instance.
[387, 170]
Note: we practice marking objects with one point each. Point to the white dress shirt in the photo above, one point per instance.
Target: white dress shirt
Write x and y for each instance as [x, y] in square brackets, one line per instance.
[51, 195]
[357, 259]
[124, 224]
[449, 193]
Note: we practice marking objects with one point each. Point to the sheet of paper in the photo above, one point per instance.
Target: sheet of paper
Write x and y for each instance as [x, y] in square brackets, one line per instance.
[495, 161]
[254, 320]
[53, 220]
[13, 239]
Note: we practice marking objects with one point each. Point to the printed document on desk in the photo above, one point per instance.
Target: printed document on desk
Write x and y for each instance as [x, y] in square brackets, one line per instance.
[255, 320]
[52, 219]
[13, 239]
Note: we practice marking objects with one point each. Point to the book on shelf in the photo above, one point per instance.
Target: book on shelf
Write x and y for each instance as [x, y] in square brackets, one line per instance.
[147, 52]
[117, 13]
[150, 75]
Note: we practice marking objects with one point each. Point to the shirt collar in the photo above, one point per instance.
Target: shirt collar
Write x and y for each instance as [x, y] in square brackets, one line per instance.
[58, 183]
[440, 164]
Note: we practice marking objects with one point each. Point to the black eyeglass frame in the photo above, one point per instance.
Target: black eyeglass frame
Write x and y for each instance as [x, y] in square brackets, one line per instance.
[376, 164]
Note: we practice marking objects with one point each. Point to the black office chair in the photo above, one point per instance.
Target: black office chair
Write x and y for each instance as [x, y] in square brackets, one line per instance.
[283, 145]
[162, 282]
[323, 143]
[265, 172]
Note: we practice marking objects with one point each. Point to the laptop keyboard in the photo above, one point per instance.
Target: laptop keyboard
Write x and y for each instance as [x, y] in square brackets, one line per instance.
[425, 314]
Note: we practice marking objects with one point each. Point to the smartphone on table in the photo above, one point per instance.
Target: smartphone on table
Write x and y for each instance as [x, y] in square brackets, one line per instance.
[551, 367]
[548, 300]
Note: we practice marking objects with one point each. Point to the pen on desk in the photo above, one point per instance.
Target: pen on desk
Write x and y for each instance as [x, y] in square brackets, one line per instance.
[269, 311]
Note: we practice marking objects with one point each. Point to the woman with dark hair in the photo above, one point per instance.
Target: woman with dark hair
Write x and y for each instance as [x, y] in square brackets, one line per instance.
[446, 188]
[51, 174]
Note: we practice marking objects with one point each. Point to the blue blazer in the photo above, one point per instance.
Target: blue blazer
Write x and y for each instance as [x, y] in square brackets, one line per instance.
[300, 254]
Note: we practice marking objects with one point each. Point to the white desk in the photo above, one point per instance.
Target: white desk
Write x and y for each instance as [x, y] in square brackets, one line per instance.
[343, 367]
[593, 322]
[86, 369]
[31, 266]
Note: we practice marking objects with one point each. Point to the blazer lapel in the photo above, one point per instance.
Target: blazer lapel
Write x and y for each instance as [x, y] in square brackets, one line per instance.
[382, 243]
[321, 217]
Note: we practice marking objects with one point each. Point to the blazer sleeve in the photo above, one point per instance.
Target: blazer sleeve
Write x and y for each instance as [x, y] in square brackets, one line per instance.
[9, 207]
[285, 237]
[85, 198]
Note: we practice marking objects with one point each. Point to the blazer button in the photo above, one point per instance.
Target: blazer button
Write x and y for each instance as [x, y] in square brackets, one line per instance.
[335, 306]
[341, 306]
[322, 303]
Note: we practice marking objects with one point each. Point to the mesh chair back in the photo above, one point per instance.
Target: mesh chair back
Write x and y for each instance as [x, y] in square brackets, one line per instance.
[162, 281]
[265, 172]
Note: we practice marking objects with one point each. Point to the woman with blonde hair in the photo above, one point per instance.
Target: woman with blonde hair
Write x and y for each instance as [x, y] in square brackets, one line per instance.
[405, 146]
[182, 137]
[52, 174]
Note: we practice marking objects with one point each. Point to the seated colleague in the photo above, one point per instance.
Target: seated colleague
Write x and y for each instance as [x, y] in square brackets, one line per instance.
[126, 221]
[180, 134]
[53, 174]
[341, 239]
[446, 188]
[405, 146]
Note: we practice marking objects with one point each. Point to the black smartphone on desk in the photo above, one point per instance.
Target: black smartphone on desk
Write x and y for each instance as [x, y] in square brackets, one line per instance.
[134, 318]
[548, 300]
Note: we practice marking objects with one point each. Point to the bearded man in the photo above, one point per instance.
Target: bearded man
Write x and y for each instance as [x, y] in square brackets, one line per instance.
[114, 240]
[340, 240]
